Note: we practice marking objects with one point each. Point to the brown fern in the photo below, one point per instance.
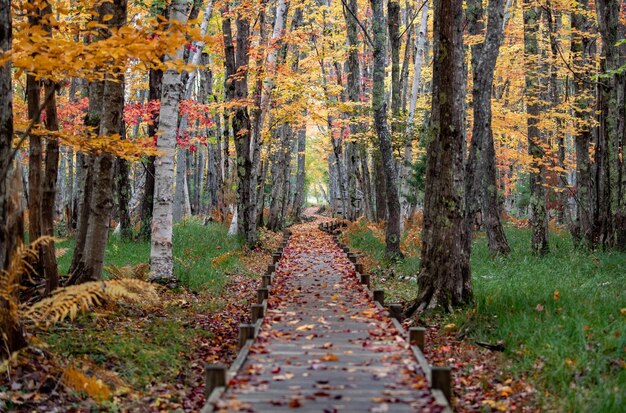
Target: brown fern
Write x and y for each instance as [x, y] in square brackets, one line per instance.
[139, 271]
[69, 301]
[19, 266]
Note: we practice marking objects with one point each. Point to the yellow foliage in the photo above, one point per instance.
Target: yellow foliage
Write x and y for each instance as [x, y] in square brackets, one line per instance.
[68, 301]
[78, 381]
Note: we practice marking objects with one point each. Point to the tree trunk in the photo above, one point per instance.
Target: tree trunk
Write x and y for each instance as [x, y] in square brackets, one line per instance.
[12, 338]
[445, 279]
[353, 79]
[181, 197]
[101, 205]
[300, 196]
[123, 197]
[611, 217]
[393, 25]
[481, 183]
[154, 93]
[49, 187]
[379, 106]
[161, 252]
[35, 159]
[582, 58]
[539, 216]
[407, 167]
[380, 189]
[236, 86]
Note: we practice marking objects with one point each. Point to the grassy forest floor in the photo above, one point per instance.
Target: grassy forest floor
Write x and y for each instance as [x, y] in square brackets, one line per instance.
[150, 357]
[561, 320]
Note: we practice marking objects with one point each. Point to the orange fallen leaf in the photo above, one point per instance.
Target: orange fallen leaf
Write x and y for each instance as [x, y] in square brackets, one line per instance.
[329, 357]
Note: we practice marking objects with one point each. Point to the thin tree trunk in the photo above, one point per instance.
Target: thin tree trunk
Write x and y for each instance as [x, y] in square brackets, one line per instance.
[407, 170]
[580, 49]
[154, 93]
[236, 86]
[392, 237]
[49, 187]
[481, 182]
[299, 198]
[539, 216]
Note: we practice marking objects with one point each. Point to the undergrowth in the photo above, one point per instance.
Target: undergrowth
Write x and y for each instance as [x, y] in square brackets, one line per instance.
[148, 347]
[562, 317]
[202, 254]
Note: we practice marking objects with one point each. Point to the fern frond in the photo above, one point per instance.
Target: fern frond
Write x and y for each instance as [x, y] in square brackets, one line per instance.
[19, 265]
[69, 301]
[139, 271]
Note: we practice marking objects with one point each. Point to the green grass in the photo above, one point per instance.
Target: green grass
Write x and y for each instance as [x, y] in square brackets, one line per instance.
[141, 353]
[150, 346]
[195, 248]
[572, 344]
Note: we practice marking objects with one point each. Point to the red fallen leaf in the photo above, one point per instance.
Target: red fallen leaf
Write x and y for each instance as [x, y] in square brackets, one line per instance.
[276, 370]
[294, 403]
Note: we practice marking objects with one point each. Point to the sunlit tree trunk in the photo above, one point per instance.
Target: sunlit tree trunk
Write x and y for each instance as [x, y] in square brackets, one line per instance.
[539, 216]
[379, 106]
[444, 279]
[161, 252]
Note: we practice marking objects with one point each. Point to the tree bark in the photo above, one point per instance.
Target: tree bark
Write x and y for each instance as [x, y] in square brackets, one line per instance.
[49, 187]
[236, 86]
[379, 106]
[611, 200]
[481, 181]
[300, 196]
[444, 279]
[161, 251]
[539, 216]
[407, 167]
[582, 58]
[12, 338]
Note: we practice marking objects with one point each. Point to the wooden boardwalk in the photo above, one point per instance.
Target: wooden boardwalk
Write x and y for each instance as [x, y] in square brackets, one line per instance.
[324, 345]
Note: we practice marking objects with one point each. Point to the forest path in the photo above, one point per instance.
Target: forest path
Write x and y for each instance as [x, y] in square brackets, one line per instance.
[324, 346]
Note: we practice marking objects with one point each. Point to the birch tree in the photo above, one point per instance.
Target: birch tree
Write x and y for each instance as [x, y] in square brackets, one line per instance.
[161, 252]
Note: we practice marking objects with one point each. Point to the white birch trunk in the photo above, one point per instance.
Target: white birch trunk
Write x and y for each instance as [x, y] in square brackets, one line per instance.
[161, 253]
[232, 230]
[182, 203]
[420, 42]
